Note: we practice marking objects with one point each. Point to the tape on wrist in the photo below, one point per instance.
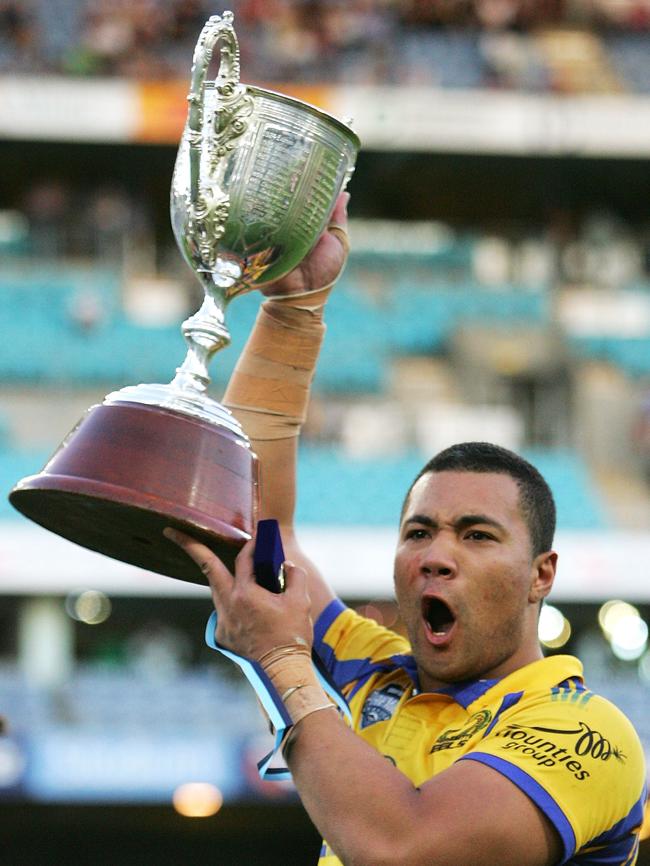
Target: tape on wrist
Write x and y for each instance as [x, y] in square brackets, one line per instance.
[271, 701]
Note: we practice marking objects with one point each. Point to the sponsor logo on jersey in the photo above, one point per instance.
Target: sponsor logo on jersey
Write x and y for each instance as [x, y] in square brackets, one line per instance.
[589, 742]
[381, 704]
[456, 738]
[540, 745]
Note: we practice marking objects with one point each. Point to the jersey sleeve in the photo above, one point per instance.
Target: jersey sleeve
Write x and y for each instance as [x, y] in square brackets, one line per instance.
[353, 648]
[581, 763]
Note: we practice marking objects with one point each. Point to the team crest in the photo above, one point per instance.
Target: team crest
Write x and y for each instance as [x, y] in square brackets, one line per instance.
[456, 738]
[380, 704]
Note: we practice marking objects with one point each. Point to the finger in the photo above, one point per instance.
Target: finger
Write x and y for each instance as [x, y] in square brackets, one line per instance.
[244, 571]
[295, 579]
[340, 211]
[338, 222]
[219, 578]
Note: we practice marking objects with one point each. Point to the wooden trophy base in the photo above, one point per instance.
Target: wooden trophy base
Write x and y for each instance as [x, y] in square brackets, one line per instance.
[128, 470]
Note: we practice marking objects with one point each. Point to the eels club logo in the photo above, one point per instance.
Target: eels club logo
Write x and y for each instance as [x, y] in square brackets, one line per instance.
[456, 738]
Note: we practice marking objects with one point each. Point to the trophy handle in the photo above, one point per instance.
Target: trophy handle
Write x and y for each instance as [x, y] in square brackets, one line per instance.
[216, 29]
[209, 140]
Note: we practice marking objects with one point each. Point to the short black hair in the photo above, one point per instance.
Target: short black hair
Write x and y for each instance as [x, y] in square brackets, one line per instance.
[535, 496]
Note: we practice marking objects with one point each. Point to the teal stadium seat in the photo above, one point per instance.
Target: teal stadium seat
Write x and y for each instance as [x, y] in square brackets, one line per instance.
[631, 354]
[342, 491]
[43, 344]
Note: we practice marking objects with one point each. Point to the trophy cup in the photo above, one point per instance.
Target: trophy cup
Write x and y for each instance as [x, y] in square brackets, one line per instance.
[256, 177]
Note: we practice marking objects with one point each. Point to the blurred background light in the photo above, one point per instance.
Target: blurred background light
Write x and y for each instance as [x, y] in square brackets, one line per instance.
[197, 800]
[90, 606]
[629, 637]
[625, 629]
[554, 629]
[612, 612]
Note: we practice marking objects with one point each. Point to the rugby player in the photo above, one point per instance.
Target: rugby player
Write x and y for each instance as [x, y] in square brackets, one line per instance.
[467, 745]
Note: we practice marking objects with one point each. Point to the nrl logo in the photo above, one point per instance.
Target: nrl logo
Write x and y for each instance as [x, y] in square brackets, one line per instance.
[456, 738]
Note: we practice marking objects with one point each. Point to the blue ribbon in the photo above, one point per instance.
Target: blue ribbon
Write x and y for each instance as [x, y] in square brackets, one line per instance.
[270, 699]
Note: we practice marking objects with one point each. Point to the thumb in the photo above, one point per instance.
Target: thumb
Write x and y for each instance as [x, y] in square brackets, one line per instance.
[295, 579]
[340, 210]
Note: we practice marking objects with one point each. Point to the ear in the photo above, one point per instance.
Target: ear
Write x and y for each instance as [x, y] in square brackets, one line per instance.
[542, 576]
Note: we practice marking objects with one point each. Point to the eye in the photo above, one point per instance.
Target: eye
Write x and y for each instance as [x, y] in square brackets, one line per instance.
[479, 535]
[417, 534]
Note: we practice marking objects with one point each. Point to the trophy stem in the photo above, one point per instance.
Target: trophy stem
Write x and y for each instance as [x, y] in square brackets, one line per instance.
[205, 333]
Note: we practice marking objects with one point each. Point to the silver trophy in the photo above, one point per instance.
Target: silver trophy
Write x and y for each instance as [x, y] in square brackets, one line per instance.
[256, 177]
[255, 181]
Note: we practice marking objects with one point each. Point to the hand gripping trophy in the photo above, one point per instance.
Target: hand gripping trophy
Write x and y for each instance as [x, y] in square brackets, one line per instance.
[256, 178]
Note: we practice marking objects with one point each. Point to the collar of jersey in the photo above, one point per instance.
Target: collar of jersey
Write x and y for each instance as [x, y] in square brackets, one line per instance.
[543, 673]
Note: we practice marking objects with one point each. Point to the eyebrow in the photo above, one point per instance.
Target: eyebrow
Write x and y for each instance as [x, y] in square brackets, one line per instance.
[461, 523]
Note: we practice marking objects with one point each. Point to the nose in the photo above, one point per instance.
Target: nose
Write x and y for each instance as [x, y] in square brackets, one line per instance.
[438, 559]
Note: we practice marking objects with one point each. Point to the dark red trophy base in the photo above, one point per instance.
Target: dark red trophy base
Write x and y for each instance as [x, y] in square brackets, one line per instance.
[128, 470]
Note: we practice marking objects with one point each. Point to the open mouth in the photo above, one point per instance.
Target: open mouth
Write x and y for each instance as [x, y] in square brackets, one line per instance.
[438, 617]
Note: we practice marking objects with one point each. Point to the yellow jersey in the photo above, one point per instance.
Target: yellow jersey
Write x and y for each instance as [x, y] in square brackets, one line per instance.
[572, 752]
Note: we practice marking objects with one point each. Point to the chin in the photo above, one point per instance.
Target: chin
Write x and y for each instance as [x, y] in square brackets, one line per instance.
[445, 671]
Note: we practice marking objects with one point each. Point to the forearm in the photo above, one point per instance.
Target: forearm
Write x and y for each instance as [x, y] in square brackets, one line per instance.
[269, 394]
[364, 807]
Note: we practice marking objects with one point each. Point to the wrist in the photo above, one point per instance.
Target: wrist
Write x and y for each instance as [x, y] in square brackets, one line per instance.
[292, 674]
[309, 301]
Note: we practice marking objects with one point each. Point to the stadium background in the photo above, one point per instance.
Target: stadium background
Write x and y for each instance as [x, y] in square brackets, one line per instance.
[499, 288]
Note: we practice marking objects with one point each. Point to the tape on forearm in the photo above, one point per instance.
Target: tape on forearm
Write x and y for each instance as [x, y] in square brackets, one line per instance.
[269, 388]
[291, 672]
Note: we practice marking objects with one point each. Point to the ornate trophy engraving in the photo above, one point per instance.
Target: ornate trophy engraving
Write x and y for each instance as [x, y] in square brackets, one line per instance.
[256, 177]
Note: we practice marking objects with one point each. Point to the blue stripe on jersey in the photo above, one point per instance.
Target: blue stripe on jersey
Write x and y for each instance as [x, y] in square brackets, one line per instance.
[326, 618]
[342, 672]
[618, 841]
[507, 702]
[467, 692]
[540, 797]
[346, 671]
[571, 689]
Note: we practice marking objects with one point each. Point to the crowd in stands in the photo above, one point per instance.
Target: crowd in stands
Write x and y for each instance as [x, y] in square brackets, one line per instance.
[455, 43]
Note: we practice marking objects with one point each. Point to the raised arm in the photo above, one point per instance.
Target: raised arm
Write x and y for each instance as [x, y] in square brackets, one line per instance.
[269, 389]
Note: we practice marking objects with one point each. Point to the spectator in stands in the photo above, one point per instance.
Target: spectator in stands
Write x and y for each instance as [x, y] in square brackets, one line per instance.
[109, 220]
[48, 209]
[18, 37]
[86, 309]
[359, 41]
[495, 754]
